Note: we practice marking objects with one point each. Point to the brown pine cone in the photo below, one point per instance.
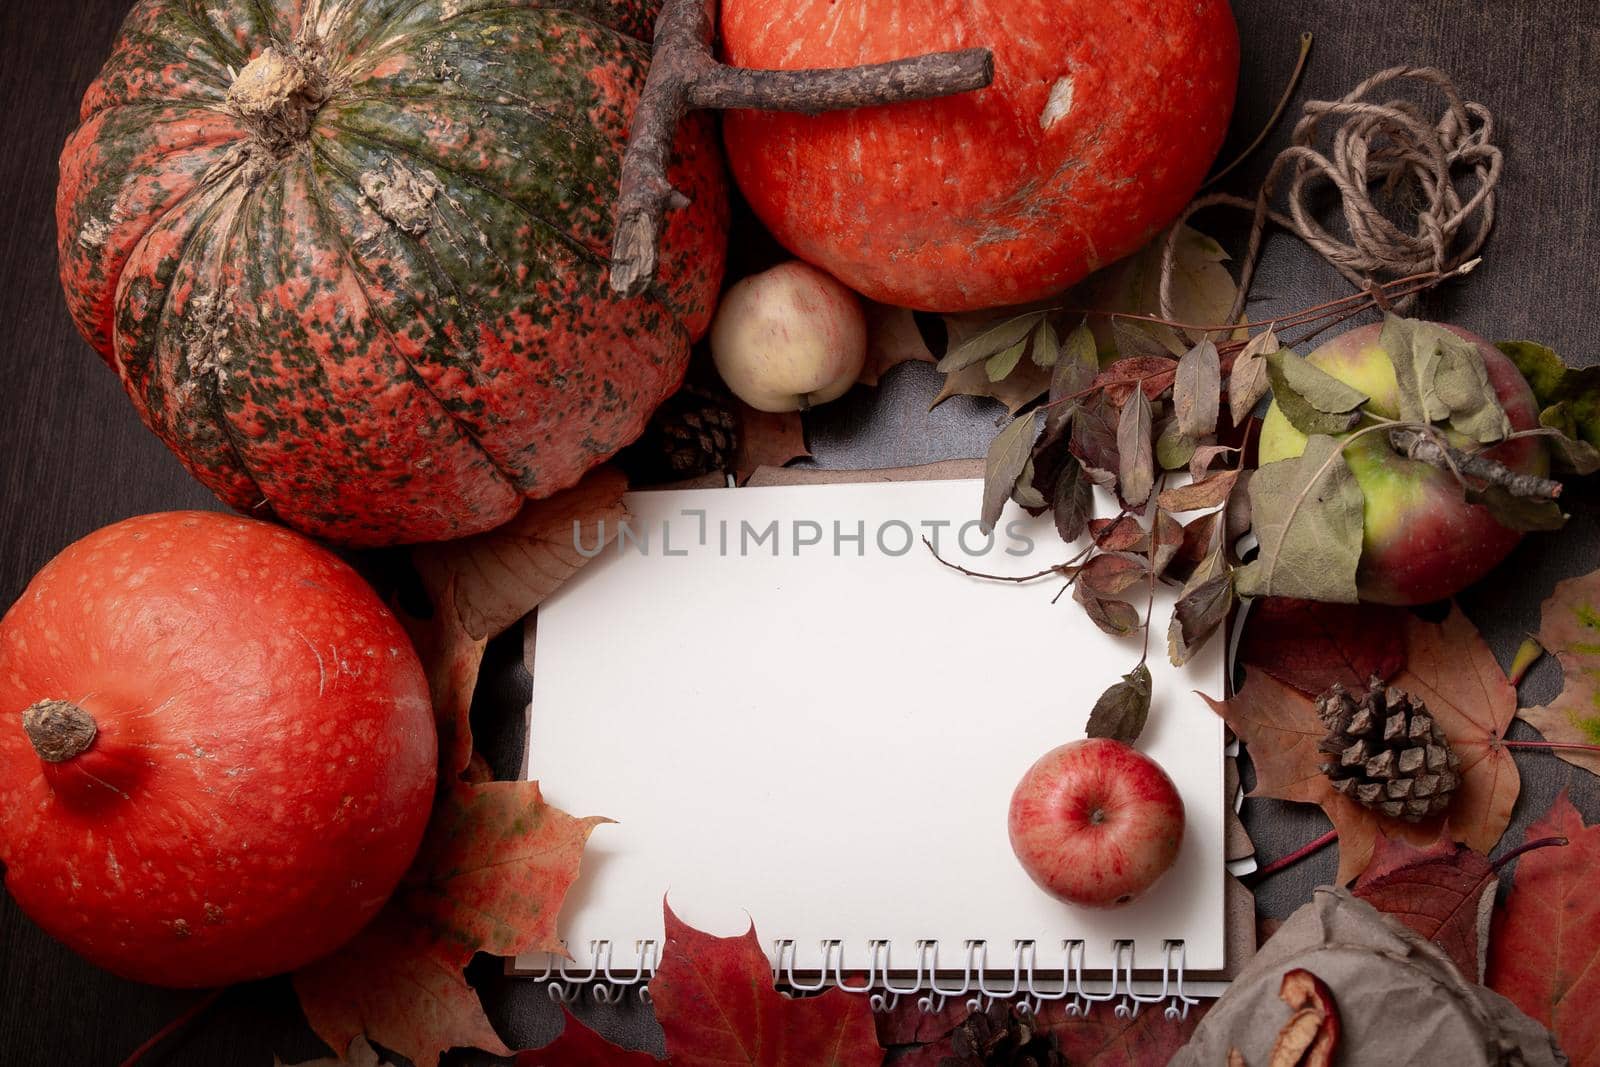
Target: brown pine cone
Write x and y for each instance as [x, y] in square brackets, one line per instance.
[1002, 1036]
[1386, 751]
[694, 432]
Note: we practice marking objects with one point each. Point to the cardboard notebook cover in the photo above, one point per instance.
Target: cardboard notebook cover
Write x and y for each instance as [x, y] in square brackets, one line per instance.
[739, 856]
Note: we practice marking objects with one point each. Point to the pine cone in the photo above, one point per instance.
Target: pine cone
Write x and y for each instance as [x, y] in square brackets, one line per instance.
[694, 432]
[1387, 752]
[1002, 1036]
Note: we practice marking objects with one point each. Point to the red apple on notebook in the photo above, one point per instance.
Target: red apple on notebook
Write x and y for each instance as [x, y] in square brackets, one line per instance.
[1096, 822]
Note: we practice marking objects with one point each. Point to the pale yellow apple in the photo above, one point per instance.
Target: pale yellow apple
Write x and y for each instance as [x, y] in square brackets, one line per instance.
[789, 338]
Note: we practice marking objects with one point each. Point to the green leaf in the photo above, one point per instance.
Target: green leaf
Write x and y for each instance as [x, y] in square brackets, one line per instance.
[1136, 473]
[997, 367]
[1025, 493]
[1314, 401]
[1307, 517]
[989, 341]
[1197, 391]
[1174, 449]
[1443, 379]
[1569, 451]
[1046, 345]
[1123, 709]
[1575, 390]
[1248, 381]
[1538, 363]
[1075, 368]
[1008, 455]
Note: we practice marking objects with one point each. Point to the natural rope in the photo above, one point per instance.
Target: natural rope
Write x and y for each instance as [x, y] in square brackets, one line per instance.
[1383, 154]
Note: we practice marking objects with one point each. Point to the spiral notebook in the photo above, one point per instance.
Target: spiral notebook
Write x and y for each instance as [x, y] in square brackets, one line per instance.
[799, 717]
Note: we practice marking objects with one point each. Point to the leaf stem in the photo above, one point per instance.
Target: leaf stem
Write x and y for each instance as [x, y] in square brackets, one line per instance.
[1529, 846]
[188, 1016]
[1283, 862]
[1554, 746]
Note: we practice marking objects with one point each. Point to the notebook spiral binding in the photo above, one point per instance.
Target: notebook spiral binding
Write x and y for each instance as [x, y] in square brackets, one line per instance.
[1031, 983]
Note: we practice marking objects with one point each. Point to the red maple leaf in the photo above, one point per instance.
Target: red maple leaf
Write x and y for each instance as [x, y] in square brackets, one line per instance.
[1546, 952]
[1311, 645]
[717, 1005]
[493, 870]
[1104, 1039]
[579, 1046]
[1445, 892]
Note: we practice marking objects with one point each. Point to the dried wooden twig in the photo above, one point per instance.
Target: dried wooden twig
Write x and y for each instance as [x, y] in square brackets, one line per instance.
[684, 76]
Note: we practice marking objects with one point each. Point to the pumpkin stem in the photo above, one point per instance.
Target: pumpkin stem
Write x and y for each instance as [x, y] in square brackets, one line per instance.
[277, 95]
[58, 729]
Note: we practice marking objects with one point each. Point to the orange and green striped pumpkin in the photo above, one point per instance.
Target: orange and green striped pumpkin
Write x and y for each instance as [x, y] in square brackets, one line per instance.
[349, 257]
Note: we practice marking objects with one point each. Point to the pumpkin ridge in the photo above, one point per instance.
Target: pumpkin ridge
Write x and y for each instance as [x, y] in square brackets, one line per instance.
[330, 220]
[521, 104]
[227, 51]
[210, 386]
[594, 256]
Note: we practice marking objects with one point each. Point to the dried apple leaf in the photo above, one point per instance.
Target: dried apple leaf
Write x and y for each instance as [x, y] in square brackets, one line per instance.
[1072, 503]
[1442, 378]
[1197, 390]
[1122, 709]
[1314, 401]
[1248, 381]
[1209, 492]
[1109, 575]
[996, 367]
[1569, 628]
[1175, 449]
[1136, 473]
[1046, 345]
[989, 341]
[1008, 455]
[768, 439]
[1115, 617]
[1307, 516]
[1201, 610]
[1575, 389]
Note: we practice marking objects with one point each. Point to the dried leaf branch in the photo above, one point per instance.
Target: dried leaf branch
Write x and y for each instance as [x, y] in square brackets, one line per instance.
[1419, 446]
[684, 76]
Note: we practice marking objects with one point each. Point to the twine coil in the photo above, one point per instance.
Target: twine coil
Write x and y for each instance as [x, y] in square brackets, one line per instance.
[1443, 171]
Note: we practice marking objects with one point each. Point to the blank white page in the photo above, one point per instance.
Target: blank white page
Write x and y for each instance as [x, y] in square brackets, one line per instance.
[826, 742]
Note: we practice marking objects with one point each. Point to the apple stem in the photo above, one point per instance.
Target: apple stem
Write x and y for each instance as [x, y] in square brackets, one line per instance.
[1294, 857]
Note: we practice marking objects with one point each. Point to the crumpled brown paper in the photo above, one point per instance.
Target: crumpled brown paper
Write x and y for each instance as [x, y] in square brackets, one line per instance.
[1400, 999]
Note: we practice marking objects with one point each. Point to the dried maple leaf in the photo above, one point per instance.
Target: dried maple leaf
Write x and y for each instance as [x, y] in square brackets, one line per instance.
[1103, 1039]
[717, 1005]
[908, 1024]
[1570, 628]
[768, 439]
[496, 578]
[579, 1046]
[494, 867]
[1445, 892]
[892, 339]
[452, 658]
[1448, 666]
[1546, 952]
[1452, 669]
[1280, 727]
[1311, 645]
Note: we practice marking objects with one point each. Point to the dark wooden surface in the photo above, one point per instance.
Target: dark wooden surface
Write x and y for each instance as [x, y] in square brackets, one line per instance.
[74, 457]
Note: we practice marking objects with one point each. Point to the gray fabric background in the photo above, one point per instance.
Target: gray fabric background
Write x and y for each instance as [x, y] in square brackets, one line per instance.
[73, 456]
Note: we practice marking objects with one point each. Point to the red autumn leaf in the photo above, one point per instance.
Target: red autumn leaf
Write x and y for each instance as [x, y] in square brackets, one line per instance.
[496, 578]
[1311, 645]
[768, 439]
[492, 872]
[452, 659]
[1546, 952]
[1124, 534]
[1153, 374]
[579, 1046]
[1103, 1039]
[1451, 668]
[717, 1005]
[892, 339]
[1445, 892]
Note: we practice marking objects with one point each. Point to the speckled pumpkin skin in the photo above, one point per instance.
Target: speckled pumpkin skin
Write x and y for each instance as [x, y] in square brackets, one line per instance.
[365, 376]
[1102, 121]
[265, 757]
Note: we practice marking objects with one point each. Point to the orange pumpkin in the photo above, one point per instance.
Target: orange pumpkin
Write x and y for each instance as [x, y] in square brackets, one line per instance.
[1102, 121]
